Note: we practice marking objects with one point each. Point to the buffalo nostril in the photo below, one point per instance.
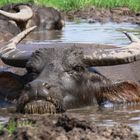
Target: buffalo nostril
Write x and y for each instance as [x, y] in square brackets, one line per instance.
[27, 87]
[46, 85]
[32, 89]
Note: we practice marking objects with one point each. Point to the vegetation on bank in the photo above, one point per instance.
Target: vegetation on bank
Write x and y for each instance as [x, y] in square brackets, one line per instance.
[67, 5]
[11, 126]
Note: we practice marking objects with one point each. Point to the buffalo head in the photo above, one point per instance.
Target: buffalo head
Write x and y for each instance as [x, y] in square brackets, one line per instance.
[26, 15]
[58, 78]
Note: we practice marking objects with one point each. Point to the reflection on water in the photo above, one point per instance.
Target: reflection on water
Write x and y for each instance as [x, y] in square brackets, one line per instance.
[108, 33]
[4, 120]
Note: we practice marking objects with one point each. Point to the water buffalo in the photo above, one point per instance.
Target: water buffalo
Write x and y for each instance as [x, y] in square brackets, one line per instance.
[27, 15]
[58, 78]
[8, 29]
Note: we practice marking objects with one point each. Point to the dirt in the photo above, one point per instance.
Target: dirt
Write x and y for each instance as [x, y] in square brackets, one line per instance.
[93, 14]
[64, 127]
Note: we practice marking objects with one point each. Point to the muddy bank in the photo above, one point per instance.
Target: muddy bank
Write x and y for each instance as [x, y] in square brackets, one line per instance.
[93, 14]
[64, 127]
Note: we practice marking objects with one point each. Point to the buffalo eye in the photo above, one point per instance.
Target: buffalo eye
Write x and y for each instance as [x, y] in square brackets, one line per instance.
[78, 68]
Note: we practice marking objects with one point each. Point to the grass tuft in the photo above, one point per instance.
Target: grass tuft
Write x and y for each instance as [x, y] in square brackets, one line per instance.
[11, 127]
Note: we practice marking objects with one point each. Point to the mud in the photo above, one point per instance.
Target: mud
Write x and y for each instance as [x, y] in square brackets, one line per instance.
[64, 127]
[93, 14]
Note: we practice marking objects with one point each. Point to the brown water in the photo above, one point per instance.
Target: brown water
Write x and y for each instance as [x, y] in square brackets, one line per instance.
[82, 32]
[110, 116]
[108, 33]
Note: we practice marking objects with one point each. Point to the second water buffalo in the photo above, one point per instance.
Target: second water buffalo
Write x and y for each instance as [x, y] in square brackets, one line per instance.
[27, 15]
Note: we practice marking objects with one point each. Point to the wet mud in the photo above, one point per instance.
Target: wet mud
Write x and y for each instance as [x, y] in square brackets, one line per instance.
[64, 127]
[93, 14]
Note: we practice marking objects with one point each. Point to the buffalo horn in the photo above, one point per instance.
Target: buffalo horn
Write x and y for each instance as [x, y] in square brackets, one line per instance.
[115, 56]
[11, 55]
[24, 14]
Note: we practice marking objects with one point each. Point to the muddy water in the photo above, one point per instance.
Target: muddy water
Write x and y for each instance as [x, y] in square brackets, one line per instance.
[109, 116]
[109, 33]
[83, 32]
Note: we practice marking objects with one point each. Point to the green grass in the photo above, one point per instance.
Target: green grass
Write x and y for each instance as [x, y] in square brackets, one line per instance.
[1, 128]
[134, 5]
[11, 126]
[77, 4]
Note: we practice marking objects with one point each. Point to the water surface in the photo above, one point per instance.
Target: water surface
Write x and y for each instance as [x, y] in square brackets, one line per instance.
[110, 116]
[108, 33]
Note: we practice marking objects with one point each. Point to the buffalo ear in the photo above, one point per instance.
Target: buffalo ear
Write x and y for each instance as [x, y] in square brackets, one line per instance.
[10, 86]
[123, 92]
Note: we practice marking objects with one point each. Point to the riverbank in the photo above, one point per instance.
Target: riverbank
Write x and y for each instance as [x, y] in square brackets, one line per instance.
[68, 5]
[91, 10]
[92, 14]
